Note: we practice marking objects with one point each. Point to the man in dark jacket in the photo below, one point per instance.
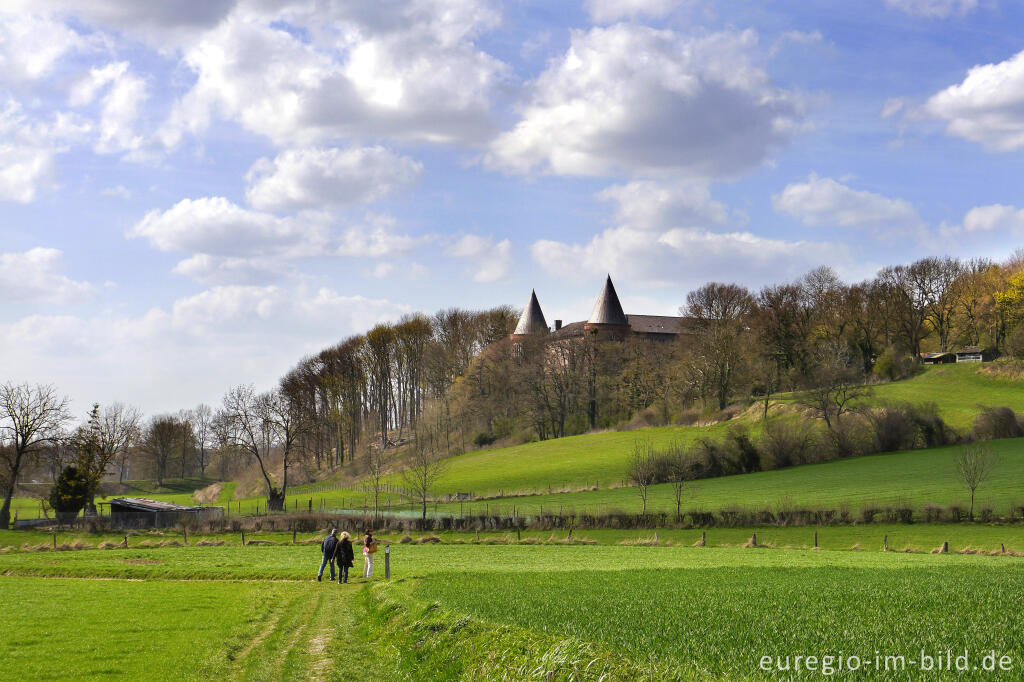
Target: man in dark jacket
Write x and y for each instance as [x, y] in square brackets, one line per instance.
[329, 547]
[345, 558]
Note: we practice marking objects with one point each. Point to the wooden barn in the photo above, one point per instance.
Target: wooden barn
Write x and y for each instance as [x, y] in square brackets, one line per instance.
[139, 512]
[971, 354]
[938, 358]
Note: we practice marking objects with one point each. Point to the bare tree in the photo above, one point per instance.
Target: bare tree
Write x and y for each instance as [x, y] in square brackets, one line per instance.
[202, 427]
[975, 464]
[720, 315]
[679, 472]
[424, 469]
[30, 416]
[837, 387]
[261, 424]
[160, 441]
[375, 470]
[641, 469]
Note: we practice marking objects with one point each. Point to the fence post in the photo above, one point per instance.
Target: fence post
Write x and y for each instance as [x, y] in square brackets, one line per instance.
[387, 562]
[815, 539]
[293, 536]
[885, 544]
[243, 537]
[55, 539]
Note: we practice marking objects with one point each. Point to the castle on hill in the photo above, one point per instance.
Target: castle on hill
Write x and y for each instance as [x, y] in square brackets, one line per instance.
[607, 321]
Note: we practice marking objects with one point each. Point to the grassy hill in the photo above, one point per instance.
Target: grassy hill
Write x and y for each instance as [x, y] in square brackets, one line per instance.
[959, 391]
[575, 462]
[916, 477]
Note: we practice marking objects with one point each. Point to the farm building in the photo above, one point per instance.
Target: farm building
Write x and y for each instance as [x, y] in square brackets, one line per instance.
[970, 354]
[139, 512]
[938, 358]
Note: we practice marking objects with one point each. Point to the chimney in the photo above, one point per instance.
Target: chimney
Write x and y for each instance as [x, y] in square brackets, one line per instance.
[558, 325]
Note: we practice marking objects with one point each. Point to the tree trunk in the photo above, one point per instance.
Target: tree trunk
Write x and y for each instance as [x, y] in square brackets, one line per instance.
[275, 500]
[5, 509]
[971, 514]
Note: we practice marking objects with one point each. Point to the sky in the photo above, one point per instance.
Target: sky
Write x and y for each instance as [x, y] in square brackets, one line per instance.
[195, 195]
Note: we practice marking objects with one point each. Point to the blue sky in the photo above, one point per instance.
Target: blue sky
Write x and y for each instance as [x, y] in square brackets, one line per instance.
[194, 195]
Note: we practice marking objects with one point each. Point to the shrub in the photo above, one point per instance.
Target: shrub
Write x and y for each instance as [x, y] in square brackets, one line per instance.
[483, 438]
[849, 438]
[70, 493]
[787, 442]
[904, 426]
[894, 364]
[1015, 343]
[996, 422]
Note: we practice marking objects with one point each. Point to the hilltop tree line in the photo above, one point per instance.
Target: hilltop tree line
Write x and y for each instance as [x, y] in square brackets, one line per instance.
[454, 381]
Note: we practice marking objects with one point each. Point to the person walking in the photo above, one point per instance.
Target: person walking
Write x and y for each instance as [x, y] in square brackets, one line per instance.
[329, 548]
[345, 557]
[369, 549]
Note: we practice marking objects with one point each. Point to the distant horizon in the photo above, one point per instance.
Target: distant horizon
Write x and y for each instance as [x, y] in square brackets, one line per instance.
[195, 195]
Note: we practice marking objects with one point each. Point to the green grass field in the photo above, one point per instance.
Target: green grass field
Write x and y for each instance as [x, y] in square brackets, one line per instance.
[959, 390]
[712, 620]
[915, 477]
[581, 612]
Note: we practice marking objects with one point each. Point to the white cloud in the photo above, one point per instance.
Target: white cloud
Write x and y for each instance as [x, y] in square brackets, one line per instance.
[34, 276]
[322, 178]
[24, 171]
[118, 192]
[215, 226]
[670, 234]
[120, 107]
[30, 46]
[893, 106]
[163, 23]
[684, 257]
[220, 337]
[607, 11]
[824, 202]
[652, 205]
[995, 218]
[490, 261]
[987, 107]
[634, 98]
[376, 239]
[933, 8]
[220, 270]
[308, 72]
[28, 149]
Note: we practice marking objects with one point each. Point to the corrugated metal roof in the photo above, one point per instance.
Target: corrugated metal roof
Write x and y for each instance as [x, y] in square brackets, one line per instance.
[532, 320]
[144, 504]
[607, 309]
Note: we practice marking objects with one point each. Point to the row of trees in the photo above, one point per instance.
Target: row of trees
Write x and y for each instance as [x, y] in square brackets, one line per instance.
[454, 380]
[817, 334]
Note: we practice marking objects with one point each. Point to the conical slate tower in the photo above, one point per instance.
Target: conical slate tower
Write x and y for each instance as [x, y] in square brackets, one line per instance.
[607, 309]
[532, 320]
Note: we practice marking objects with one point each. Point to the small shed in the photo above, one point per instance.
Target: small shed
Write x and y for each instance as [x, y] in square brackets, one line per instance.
[970, 354]
[139, 512]
[938, 358]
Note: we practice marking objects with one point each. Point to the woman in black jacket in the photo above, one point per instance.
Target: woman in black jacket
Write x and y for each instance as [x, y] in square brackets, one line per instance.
[345, 557]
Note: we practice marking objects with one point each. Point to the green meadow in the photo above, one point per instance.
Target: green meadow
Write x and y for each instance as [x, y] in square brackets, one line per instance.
[915, 478]
[492, 612]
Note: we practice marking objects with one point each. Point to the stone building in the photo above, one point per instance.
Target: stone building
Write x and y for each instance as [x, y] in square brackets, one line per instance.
[607, 321]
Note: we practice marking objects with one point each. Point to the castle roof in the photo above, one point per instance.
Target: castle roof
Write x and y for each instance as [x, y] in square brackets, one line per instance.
[532, 320]
[607, 309]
